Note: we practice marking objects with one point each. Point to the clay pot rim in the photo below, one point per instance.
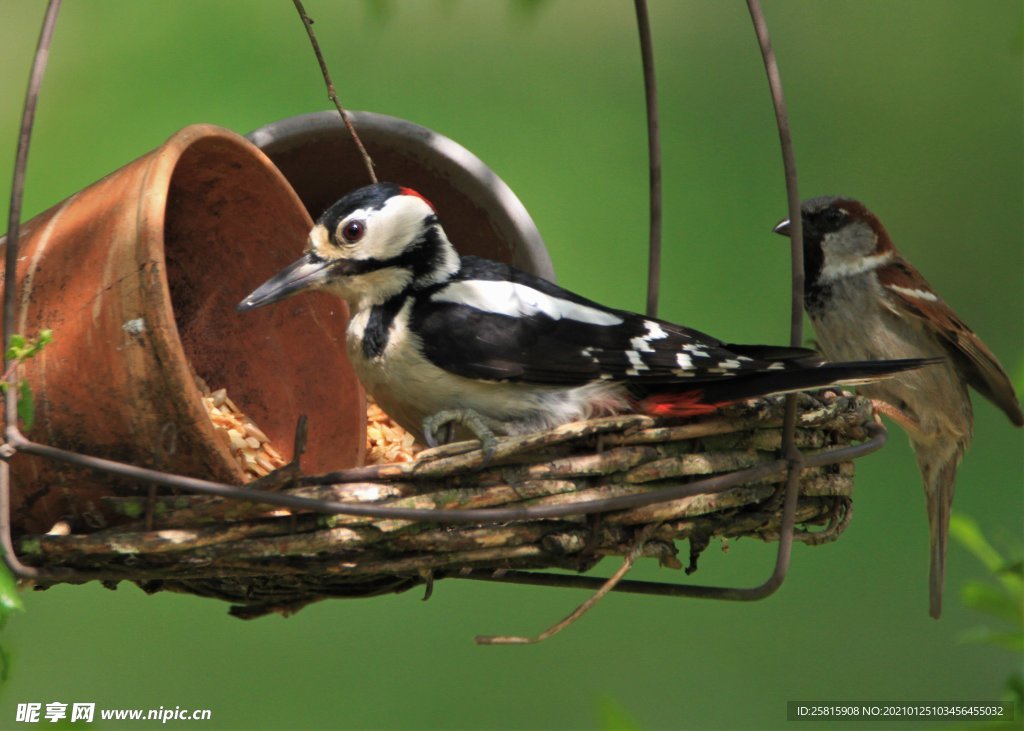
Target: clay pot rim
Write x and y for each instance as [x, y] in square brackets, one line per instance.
[152, 218]
[452, 161]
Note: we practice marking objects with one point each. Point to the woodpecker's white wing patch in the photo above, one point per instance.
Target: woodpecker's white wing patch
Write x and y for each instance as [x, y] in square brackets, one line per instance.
[519, 300]
[389, 229]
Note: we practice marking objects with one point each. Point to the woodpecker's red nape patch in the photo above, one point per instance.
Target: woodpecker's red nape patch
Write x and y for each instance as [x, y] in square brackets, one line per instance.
[410, 191]
[689, 403]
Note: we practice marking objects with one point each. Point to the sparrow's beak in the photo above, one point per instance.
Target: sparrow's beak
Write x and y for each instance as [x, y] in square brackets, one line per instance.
[306, 273]
[782, 227]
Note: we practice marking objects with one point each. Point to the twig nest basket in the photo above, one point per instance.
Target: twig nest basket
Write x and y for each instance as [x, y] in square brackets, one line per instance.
[265, 560]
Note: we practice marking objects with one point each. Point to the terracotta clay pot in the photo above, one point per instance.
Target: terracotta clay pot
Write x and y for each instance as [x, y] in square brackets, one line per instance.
[479, 211]
[138, 276]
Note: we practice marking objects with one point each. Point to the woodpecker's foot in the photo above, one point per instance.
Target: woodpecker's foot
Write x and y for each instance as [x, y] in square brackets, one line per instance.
[463, 417]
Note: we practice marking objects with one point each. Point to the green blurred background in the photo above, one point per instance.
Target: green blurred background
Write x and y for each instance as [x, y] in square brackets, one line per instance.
[914, 107]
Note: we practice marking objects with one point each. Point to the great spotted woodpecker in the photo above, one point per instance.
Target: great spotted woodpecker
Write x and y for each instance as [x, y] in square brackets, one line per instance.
[435, 337]
[866, 301]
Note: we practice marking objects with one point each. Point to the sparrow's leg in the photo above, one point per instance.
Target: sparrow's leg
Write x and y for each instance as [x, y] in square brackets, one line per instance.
[905, 420]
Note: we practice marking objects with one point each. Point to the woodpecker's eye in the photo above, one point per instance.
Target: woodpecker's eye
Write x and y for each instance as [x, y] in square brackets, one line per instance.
[352, 231]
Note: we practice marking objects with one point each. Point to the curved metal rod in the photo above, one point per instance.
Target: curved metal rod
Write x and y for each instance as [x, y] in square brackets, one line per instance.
[643, 23]
[796, 319]
[771, 67]
[10, 406]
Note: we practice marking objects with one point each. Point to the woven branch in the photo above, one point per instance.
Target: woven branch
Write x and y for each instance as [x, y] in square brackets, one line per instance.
[266, 559]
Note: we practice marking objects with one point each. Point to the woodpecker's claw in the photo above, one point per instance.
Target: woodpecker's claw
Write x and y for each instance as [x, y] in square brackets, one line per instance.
[468, 418]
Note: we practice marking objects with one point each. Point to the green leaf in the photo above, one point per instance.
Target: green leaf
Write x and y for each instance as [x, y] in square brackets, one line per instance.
[967, 532]
[10, 601]
[45, 337]
[613, 717]
[26, 405]
[1013, 641]
[1015, 688]
[15, 347]
[992, 601]
[5, 665]
[22, 349]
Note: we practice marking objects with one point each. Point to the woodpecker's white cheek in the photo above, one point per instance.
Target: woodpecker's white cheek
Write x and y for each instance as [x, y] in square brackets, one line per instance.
[518, 300]
[390, 229]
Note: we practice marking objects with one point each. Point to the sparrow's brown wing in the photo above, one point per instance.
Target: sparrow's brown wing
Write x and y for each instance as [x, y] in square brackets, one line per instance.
[912, 293]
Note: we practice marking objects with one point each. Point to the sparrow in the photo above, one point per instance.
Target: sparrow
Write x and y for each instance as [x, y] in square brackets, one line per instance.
[866, 301]
[441, 339]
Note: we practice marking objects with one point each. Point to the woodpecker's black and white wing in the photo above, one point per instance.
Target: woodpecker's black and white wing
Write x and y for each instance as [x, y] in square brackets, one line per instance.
[494, 322]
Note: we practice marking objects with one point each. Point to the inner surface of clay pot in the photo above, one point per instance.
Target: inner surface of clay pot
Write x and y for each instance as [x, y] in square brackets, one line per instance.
[220, 241]
[138, 276]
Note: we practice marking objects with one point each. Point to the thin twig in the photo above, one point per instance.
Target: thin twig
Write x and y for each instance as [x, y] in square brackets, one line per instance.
[28, 116]
[332, 95]
[582, 609]
[654, 158]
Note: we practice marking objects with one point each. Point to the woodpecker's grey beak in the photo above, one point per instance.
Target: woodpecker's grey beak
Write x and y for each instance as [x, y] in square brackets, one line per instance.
[782, 227]
[303, 274]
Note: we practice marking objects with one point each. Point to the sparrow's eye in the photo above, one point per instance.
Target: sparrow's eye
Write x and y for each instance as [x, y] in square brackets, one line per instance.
[352, 231]
[834, 217]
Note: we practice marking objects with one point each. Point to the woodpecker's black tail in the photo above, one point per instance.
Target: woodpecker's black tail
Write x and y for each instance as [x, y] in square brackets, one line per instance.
[692, 398]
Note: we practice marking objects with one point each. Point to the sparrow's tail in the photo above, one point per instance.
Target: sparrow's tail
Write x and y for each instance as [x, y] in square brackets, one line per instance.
[692, 398]
[939, 482]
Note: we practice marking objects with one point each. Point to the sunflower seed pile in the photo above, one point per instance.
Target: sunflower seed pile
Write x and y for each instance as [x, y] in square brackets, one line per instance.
[250, 447]
[386, 441]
